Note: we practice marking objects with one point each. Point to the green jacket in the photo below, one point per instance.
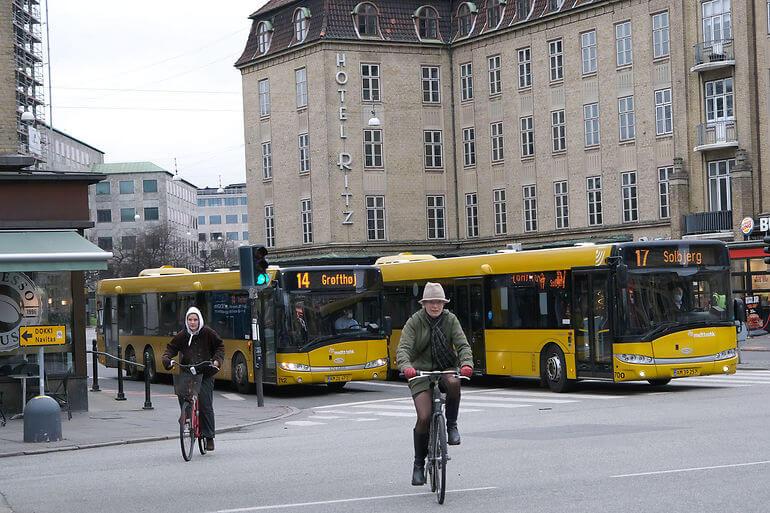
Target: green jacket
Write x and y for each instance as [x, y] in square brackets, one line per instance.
[414, 346]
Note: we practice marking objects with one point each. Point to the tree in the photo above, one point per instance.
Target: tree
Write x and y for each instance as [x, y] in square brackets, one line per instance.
[218, 254]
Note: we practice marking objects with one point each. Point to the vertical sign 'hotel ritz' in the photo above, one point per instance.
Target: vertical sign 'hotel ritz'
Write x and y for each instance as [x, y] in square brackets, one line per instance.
[344, 160]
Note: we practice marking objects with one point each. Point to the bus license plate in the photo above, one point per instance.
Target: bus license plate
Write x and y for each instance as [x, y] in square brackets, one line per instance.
[685, 372]
[337, 379]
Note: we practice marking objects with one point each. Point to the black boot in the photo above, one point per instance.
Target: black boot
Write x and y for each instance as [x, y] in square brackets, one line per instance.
[452, 408]
[420, 452]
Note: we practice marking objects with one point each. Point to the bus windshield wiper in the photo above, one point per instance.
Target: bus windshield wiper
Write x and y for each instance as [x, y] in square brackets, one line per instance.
[660, 328]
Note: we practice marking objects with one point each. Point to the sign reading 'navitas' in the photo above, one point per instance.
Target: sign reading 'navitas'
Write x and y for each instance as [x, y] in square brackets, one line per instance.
[41, 336]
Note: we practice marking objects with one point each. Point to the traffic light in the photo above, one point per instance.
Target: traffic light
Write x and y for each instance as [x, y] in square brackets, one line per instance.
[766, 240]
[253, 266]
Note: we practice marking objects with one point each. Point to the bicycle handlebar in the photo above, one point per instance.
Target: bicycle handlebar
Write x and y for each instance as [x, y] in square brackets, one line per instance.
[435, 374]
[199, 367]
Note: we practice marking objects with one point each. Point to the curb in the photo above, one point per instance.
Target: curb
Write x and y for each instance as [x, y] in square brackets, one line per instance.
[291, 411]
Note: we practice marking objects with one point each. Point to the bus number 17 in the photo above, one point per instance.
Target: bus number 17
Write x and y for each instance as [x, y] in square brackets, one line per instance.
[641, 257]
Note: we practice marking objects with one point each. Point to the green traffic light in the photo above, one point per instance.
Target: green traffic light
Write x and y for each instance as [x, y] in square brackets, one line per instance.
[263, 279]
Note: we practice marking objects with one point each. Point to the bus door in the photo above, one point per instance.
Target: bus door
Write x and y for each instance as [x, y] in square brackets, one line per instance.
[469, 308]
[591, 322]
[266, 316]
[110, 327]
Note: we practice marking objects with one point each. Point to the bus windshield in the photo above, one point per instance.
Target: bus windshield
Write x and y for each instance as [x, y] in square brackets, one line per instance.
[656, 300]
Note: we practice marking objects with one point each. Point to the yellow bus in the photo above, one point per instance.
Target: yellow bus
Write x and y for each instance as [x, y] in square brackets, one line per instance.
[636, 311]
[316, 324]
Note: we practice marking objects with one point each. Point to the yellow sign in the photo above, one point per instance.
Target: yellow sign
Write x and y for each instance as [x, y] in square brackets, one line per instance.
[42, 336]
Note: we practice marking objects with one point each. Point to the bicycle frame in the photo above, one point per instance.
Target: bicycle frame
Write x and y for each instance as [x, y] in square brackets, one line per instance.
[190, 400]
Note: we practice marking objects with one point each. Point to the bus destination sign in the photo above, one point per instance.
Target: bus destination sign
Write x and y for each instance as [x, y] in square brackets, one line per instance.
[323, 280]
[675, 256]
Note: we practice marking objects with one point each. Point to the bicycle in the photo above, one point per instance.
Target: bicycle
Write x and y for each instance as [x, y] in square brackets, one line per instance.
[438, 454]
[187, 385]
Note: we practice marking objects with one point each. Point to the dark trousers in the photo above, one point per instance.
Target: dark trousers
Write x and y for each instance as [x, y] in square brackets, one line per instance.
[206, 406]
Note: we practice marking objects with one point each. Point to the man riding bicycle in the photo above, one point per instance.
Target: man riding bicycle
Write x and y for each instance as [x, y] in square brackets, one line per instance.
[198, 343]
[432, 339]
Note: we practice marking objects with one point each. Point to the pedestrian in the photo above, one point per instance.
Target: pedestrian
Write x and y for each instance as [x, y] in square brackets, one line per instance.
[198, 343]
[432, 339]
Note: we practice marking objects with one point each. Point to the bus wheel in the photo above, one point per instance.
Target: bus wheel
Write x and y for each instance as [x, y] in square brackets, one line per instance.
[555, 370]
[659, 382]
[132, 371]
[337, 386]
[240, 376]
[151, 367]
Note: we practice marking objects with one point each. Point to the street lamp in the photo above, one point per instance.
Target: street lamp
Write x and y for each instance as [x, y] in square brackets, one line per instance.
[220, 190]
[176, 177]
[136, 217]
[374, 120]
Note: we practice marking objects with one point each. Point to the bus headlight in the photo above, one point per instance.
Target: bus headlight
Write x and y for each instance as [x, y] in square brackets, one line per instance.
[379, 362]
[636, 358]
[725, 355]
[295, 367]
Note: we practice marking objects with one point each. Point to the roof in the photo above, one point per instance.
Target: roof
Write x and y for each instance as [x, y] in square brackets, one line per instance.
[128, 167]
[54, 250]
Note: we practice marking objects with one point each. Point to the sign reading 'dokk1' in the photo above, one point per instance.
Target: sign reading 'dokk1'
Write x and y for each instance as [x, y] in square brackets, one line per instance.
[19, 306]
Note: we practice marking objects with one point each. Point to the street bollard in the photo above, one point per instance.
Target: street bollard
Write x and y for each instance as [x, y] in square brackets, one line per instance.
[95, 384]
[147, 402]
[121, 396]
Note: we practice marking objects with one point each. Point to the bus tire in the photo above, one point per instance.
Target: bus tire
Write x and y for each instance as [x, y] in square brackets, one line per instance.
[151, 368]
[132, 371]
[659, 382]
[240, 374]
[554, 371]
[337, 386]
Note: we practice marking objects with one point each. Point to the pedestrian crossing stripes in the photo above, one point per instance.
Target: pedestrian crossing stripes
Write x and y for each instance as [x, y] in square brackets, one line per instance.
[742, 378]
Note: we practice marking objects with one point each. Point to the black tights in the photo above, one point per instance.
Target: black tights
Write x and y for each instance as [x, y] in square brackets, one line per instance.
[422, 403]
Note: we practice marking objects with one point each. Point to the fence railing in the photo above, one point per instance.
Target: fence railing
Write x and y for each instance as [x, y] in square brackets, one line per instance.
[717, 132]
[714, 51]
[708, 222]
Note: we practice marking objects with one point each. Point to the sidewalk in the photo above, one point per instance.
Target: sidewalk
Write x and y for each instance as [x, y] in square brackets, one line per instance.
[110, 422]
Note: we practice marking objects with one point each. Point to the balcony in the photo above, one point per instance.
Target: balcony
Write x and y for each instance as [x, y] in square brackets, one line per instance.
[714, 55]
[716, 135]
[708, 222]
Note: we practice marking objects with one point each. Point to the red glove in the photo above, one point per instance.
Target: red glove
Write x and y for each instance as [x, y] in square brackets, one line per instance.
[466, 371]
[410, 372]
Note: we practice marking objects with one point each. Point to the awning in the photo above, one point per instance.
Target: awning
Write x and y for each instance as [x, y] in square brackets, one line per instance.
[49, 250]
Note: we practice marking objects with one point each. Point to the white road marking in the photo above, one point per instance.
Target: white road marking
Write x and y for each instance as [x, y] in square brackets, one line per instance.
[496, 405]
[304, 423]
[233, 397]
[375, 401]
[556, 396]
[341, 501]
[326, 417]
[348, 412]
[693, 469]
[392, 414]
[365, 419]
[380, 384]
[499, 397]
[389, 406]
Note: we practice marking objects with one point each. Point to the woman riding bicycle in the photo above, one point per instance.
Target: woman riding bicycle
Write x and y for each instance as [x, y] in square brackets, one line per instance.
[432, 339]
[198, 343]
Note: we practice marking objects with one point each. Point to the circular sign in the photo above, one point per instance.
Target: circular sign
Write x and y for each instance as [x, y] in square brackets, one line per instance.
[19, 304]
[747, 225]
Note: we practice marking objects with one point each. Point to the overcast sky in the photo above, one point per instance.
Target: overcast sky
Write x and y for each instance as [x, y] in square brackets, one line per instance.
[153, 80]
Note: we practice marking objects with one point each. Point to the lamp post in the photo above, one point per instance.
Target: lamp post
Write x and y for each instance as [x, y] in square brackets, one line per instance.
[374, 120]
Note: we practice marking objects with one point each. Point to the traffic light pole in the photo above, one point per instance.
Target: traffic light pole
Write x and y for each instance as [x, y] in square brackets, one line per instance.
[256, 344]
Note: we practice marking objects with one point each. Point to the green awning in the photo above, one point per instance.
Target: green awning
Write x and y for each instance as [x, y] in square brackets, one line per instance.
[49, 250]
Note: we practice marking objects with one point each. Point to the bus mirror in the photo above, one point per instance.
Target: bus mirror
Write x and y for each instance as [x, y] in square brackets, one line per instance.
[388, 327]
[740, 310]
[622, 274]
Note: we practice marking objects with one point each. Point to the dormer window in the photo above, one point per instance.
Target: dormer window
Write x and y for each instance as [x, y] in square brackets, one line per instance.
[494, 13]
[301, 24]
[365, 15]
[264, 36]
[466, 15]
[427, 22]
[524, 6]
[555, 5]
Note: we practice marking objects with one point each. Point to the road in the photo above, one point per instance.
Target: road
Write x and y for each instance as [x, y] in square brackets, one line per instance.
[696, 445]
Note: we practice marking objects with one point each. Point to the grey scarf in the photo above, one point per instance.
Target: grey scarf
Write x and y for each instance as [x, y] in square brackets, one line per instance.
[442, 355]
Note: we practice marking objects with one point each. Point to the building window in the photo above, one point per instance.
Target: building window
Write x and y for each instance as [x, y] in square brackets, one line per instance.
[663, 114]
[202, 237]
[427, 23]
[465, 19]
[370, 82]
[267, 160]
[466, 81]
[366, 20]
[373, 148]
[472, 215]
[304, 153]
[496, 135]
[527, 136]
[626, 118]
[495, 86]
[127, 215]
[231, 235]
[215, 219]
[264, 36]
[522, 9]
[269, 226]
[105, 243]
[660, 37]
[301, 22]
[151, 214]
[525, 67]
[201, 220]
[104, 216]
[594, 196]
[530, 208]
[588, 51]
[623, 46]
[126, 186]
[307, 221]
[556, 59]
[719, 184]
[555, 5]
[717, 21]
[433, 150]
[591, 124]
[300, 77]
[102, 188]
[561, 202]
[436, 225]
[264, 98]
[431, 86]
[469, 147]
[149, 186]
[245, 236]
[558, 131]
[664, 173]
[231, 219]
[375, 217]
[630, 203]
[244, 218]
[128, 242]
[719, 100]
[501, 212]
[494, 13]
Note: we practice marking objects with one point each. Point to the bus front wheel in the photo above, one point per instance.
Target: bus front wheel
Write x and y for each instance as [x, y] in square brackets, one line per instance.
[555, 371]
[659, 382]
[240, 376]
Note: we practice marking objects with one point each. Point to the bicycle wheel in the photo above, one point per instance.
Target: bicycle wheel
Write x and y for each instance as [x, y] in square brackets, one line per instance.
[441, 459]
[430, 466]
[201, 439]
[187, 433]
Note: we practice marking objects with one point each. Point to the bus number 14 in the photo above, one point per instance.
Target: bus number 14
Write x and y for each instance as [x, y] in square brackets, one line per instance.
[303, 280]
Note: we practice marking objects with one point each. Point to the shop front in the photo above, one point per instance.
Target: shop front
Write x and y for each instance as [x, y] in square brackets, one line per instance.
[751, 283]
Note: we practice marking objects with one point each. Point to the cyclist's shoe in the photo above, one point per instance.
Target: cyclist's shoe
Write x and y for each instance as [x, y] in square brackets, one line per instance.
[418, 474]
[420, 452]
[453, 435]
[182, 417]
[209, 444]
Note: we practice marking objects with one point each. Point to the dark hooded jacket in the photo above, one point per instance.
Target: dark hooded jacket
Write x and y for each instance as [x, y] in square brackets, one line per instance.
[195, 346]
